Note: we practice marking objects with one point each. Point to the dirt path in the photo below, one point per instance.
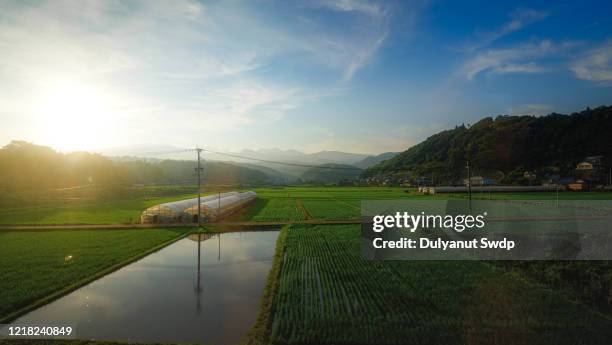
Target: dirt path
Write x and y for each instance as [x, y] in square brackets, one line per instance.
[301, 206]
[180, 225]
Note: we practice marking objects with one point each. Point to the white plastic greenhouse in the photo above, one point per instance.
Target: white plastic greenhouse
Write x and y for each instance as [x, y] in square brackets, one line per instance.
[186, 211]
[222, 207]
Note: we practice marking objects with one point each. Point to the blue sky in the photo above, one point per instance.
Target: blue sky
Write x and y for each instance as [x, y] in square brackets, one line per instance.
[347, 75]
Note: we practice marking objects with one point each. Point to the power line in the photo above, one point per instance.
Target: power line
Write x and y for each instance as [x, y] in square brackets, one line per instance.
[284, 163]
[160, 152]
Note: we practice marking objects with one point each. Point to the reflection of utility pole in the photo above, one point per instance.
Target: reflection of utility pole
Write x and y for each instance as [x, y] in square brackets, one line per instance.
[199, 170]
[198, 289]
[219, 258]
[467, 165]
[199, 249]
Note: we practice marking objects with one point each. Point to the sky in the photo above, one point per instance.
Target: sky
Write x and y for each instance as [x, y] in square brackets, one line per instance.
[349, 75]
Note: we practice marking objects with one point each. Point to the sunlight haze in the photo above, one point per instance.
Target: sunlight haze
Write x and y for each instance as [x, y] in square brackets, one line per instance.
[354, 76]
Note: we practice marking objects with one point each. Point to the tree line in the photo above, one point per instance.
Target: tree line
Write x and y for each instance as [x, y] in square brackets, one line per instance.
[29, 167]
[505, 147]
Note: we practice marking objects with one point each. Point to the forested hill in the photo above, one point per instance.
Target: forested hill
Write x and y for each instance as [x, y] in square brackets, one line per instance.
[25, 167]
[330, 174]
[505, 147]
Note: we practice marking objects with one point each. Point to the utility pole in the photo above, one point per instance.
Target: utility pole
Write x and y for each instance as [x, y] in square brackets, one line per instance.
[199, 170]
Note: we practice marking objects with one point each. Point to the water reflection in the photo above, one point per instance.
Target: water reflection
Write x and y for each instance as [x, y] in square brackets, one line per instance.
[187, 292]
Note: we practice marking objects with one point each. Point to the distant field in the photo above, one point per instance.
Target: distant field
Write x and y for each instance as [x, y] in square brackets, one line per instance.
[325, 293]
[121, 211]
[332, 209]
[273, 204]
[345, 202]
[34, 265]
[538, 196]
[298, 203]
[271, 209]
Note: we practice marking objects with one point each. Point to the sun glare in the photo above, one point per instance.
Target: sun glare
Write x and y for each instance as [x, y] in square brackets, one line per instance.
[74, 116]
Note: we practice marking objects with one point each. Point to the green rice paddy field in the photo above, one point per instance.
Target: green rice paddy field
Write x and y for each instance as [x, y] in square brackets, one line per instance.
[273, 204]
[320, 290]
[121, 211]
[37, 264]
[324, 292]
[335, 203]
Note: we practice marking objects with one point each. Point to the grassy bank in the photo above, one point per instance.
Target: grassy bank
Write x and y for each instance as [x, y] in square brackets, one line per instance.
[71, 342]
[326, 293]
[37, 267]
[260, 332]
[64, 342]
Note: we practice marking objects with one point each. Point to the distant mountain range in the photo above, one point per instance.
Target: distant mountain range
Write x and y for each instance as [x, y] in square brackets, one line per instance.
[261, 160]
[509, 149]
[322, 157]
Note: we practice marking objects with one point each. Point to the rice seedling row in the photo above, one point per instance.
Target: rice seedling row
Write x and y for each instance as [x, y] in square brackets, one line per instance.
[328, 294]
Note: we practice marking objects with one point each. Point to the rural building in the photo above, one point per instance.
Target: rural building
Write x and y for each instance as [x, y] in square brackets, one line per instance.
[479, 181]
[493, 189]
[584, 166]
[180, 211]
[578, 186]
[592, 171]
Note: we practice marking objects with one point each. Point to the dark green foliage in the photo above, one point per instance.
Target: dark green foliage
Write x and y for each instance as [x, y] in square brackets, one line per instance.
[507, 146]
[373, 160]
[27, 166]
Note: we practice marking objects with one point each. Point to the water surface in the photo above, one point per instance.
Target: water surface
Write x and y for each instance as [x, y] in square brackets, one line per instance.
[162, 298]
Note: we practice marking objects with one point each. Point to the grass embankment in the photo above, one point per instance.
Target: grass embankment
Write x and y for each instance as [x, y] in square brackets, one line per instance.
[260, 332]
[37, 267]
[66, 342]
[326, 293]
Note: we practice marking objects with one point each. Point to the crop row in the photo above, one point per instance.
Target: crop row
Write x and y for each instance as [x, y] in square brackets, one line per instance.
[328, 294]
[273, 210]
[332, 209]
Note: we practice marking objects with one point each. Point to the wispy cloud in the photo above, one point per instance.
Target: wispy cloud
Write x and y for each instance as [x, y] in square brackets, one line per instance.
[519, 19]
[595, 65]
[203, 63]
[353, 49]
[374, 9]
[517, 59]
